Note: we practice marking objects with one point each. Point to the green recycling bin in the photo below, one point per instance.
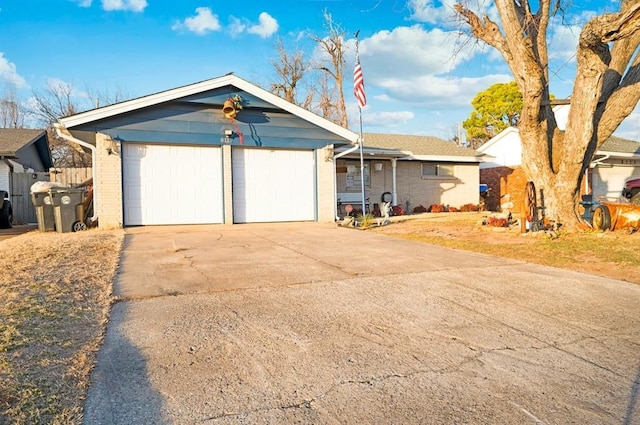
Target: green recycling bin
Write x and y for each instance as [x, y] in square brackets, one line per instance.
[44, 211]
[68, 210]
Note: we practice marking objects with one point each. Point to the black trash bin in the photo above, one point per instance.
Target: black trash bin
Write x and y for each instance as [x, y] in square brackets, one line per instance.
[68, 210]
[44, 211]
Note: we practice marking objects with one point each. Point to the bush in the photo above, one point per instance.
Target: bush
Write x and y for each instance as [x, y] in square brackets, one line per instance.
[469, 207]
[453, 209]
[419, 209]
[397, 210]
[436, 208]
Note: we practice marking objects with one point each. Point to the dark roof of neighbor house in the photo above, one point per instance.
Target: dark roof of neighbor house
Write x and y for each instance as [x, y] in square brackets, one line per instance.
[14, 139]
[620, 145]
[418, 145]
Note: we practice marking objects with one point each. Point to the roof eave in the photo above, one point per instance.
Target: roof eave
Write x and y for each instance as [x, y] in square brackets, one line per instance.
[177, 93]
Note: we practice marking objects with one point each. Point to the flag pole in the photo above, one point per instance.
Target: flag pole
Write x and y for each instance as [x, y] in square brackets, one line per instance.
[359, 92]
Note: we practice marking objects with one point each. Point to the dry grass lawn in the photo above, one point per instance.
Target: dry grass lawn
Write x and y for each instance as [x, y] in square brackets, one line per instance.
[55, 293]
[609, 254]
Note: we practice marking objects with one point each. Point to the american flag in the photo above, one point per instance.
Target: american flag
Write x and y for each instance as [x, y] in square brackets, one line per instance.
[358, 84]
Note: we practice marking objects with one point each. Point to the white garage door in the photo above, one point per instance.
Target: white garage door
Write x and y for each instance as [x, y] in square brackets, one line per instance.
[165, 184]
[273, 185]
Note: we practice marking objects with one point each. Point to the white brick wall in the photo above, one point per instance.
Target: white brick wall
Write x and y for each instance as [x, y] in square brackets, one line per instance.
[108, 184]
[227, 182]
[326, 187]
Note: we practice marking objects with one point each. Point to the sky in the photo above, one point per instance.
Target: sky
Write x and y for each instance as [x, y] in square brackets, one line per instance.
[420, 72]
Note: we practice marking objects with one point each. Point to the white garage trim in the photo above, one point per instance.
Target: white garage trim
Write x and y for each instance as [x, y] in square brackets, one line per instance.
[272, 185]
[170, 184]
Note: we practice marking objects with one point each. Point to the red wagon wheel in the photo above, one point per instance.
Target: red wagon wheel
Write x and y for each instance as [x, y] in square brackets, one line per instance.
[530, 202]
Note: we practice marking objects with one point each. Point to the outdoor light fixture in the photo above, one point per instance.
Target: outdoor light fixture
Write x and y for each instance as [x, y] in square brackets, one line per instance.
[228, 136]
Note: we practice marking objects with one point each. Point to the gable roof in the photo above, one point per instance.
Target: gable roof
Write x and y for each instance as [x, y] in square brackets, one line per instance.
[617, 145]
[14, 139]
[422, 147]
[203, 86]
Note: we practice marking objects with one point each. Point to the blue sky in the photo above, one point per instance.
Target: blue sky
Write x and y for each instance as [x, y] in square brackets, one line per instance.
[420, 74]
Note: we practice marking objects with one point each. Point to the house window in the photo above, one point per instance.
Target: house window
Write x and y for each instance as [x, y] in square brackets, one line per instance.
[430, 169]
[354, 181]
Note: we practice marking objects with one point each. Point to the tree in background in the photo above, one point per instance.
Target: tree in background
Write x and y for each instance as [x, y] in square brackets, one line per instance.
[494, 109]
[290, 68]
[605, 91]
[53, 102]
[334, 46]
[13, 114]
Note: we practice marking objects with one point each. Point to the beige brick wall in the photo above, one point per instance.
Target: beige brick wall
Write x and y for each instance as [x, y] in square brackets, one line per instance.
[326, 187]
[108, 184]
[412, 187]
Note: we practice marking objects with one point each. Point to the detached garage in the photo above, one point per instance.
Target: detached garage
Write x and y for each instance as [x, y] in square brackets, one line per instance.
[192, 156]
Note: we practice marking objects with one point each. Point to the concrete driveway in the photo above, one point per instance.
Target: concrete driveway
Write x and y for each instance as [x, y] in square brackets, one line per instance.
[314, 324]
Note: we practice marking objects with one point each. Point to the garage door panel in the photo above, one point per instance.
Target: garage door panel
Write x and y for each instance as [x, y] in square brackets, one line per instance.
[273, 185]
[166, 184]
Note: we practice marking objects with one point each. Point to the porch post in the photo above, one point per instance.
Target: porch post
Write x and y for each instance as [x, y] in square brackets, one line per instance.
[394, 195]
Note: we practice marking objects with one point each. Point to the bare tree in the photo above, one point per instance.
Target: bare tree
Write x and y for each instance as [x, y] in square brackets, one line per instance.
[290, 68]
[605, 91]
[57, 101]
[334, 46]
[12, 113]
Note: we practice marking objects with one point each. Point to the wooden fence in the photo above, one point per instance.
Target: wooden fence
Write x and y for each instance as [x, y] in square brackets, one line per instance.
[70, 176]
[23, 210]
[20, 191]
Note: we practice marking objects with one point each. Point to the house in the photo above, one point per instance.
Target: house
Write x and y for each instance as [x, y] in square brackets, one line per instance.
[617, 160]
[410, 170]
[24, 153]
[218, 151]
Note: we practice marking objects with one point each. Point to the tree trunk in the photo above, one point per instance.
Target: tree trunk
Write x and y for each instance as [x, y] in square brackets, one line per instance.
[605, 91]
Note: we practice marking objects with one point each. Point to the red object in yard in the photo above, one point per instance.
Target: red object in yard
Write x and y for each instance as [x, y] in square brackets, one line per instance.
[616, 216]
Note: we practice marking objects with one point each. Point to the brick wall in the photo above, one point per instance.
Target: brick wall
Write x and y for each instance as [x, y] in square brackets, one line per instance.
[108, 184]
[227, 183]
[326, 188]
[504, 181]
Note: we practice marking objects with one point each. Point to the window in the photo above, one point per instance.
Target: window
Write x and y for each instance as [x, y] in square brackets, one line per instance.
[354, 182]
[430, 169]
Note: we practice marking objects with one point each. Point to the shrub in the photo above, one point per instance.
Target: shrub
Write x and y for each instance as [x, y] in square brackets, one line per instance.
[469, 207]
[453, 209]
[397, 210]
[436, 208]
[419, 209]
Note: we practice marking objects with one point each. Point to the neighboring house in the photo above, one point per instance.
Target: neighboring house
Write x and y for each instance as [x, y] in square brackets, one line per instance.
[22, 151]
[176, 157]
[411, 170]
[617, 160]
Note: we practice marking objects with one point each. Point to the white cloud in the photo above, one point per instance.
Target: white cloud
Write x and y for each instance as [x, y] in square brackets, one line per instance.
[83, 3]
[132, 5]
[442, 92]
[236, 26]
[202, 23]
[388, 119]
[433, 11]
[9, 73]
[266, 27]
[410, 51]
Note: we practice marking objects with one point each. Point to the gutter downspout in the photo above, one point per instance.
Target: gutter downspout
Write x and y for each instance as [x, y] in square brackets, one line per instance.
[593, 164]
[68, 137]
[335, 176]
